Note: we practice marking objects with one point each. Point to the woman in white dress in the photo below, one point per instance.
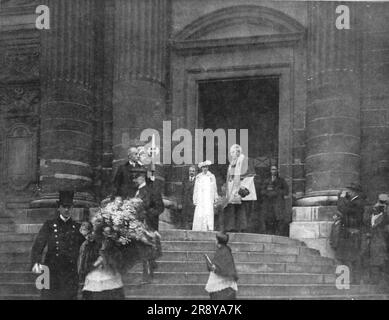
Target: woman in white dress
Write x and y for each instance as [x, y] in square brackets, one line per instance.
[204, 198]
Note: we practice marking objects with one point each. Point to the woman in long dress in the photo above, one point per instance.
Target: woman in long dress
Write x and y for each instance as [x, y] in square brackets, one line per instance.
[204, 198]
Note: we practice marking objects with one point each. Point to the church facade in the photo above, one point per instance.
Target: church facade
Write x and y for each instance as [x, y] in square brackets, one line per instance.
[74, 97]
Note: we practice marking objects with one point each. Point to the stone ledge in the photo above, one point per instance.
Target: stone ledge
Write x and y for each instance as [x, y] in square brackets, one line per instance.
[314, 213]
[310, 229]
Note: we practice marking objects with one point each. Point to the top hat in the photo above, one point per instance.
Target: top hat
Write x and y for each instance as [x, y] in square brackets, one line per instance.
[355, 187]
[66, 198]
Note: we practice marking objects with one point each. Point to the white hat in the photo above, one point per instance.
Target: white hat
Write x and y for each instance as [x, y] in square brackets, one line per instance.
[205, 163]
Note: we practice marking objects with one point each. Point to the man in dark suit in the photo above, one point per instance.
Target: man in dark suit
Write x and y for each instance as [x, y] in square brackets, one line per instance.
[123, 182]
[273, 192]
[154, 206]
[63, 239]
[187, 199]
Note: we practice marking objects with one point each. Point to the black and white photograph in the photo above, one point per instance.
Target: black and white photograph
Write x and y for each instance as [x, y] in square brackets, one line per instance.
[194, 150]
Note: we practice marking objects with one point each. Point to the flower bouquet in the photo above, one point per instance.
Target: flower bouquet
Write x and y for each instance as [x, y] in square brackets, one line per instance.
[121, 223]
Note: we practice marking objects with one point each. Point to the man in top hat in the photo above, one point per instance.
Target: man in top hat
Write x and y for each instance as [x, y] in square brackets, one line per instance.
[351, 206]
[123, 182]
[63, 239]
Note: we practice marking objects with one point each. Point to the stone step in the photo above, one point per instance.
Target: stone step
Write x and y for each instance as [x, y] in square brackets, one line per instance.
[180, 235]
[182, 266]
[7, 288]
[9, 227]
[25, 245]
[238, 247]
[206, 297]
[134, 277]
[241, 297]
[246, 267]
[15, 237]
[24, 257]
[246, 290]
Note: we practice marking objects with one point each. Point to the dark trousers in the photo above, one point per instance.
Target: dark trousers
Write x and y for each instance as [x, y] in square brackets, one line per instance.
[148, 269]
[277, 227]
[115, 294]
[225, 294]
[235, 219]
[63, 286]
[187, 214]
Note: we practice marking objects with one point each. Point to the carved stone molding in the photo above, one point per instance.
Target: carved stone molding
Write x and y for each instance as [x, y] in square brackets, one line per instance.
[20, 155]
[18, 100]
[199, 34]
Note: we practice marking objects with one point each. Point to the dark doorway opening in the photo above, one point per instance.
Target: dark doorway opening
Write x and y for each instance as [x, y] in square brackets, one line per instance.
[243, 103]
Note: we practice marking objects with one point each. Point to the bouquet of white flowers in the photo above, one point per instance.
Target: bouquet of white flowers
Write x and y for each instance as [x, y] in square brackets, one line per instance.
[122, 221]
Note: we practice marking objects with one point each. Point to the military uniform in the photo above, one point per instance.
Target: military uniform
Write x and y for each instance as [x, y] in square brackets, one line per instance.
[63, 241]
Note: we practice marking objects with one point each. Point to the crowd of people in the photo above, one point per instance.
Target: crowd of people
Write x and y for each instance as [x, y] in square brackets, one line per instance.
[242, 205]
[360, 236]
[89, 254]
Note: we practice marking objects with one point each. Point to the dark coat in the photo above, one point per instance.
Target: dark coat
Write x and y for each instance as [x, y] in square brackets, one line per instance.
[350, 234]
[187, 201]
[123, 183]
[153, 205]
[63, 241]
[273, 202]
[375, 250]
[351, 211]
[224, 263]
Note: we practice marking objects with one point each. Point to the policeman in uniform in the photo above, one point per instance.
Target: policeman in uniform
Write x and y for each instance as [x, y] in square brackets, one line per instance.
[63, 240]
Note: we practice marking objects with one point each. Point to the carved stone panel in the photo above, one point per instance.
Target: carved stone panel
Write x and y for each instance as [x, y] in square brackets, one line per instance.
[19, 157]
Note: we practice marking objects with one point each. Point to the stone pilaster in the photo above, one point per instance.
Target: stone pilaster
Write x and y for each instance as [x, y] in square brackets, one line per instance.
[66, 128]
[139, 93]
[332, 122]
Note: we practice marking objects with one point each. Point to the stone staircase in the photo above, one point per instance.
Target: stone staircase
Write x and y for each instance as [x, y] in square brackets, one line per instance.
[269, 267]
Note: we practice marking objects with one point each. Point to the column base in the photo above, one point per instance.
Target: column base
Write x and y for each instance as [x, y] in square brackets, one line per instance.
[49, 200]
[312, 225]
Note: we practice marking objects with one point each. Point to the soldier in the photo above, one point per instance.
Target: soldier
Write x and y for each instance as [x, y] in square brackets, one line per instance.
[63, 240]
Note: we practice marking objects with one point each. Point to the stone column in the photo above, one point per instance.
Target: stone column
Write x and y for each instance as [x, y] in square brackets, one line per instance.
[66, 115]
[139, 74]
[332, 123]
